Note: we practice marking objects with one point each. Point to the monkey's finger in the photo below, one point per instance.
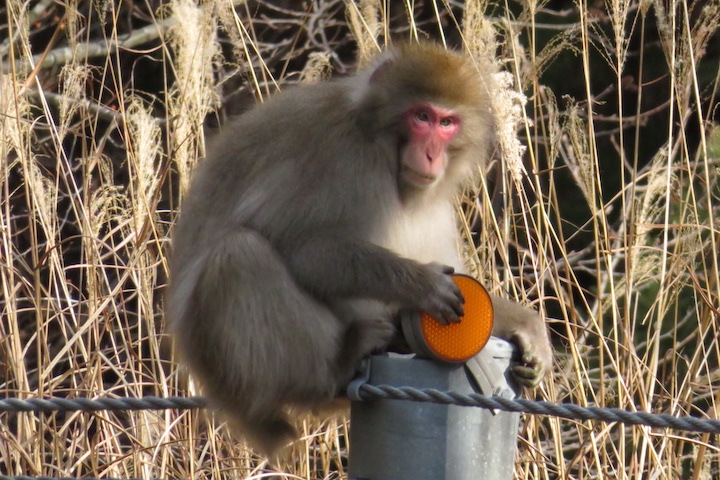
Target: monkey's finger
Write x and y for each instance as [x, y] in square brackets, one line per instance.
[529, 359]
[452, 318]
[453, 292]
[442, 268]
[460, 296]
[525, 375]
[454, 314]
[443, 315]
[526, 349]
[454, 308]
[448, 270]
[458, 309]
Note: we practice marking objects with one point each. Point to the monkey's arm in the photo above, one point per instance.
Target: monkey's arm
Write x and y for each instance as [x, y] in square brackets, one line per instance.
[331, 266]
[527, 329]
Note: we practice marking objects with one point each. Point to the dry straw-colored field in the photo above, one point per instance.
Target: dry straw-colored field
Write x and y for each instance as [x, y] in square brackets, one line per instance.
[608, 222]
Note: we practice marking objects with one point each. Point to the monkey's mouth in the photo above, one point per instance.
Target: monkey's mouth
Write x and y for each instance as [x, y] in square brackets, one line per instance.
[417, 178]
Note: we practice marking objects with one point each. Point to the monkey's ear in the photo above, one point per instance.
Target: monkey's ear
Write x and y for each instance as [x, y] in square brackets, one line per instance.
[382, 63]
[380, 71]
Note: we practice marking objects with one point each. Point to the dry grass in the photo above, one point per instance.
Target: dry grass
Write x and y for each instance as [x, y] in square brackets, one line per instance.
[609, 222]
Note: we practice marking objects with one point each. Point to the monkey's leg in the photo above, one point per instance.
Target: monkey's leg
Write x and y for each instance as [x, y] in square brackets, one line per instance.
[257, 341]
[370, 329]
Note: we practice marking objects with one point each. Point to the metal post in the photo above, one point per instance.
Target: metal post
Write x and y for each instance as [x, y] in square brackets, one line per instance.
[404, 440]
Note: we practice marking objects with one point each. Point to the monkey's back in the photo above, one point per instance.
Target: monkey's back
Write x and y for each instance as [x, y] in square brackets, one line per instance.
[270, 161]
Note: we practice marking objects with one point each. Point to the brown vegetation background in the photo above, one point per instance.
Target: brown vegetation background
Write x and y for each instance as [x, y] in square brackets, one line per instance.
[605, 217]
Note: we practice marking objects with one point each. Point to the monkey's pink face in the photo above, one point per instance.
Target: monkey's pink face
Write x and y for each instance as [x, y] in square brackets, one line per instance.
[424, 158]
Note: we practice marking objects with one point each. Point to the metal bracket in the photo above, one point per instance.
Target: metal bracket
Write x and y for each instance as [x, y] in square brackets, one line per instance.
[489, 375]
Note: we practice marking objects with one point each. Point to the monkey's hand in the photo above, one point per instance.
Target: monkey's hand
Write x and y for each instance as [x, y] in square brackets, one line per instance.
[439, 295]
[527, 330]
[535, 361]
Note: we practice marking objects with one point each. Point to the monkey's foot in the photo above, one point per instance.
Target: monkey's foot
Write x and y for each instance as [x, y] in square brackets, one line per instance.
[364, 337]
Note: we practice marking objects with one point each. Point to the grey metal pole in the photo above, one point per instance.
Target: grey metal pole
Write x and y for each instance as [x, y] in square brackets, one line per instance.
[404, 440]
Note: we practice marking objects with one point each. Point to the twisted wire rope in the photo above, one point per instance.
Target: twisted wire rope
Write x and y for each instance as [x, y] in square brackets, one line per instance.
[370, 392]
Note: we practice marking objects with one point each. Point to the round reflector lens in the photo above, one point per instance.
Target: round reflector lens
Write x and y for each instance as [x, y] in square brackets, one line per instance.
[455, 342]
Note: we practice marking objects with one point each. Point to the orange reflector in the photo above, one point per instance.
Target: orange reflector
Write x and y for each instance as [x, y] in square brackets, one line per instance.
[456, 342]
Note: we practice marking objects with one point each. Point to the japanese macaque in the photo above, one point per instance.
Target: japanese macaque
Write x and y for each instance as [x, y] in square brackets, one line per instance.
[318, 216]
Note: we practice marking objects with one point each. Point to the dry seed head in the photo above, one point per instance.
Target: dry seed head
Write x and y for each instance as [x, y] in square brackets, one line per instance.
[507, 103]
[690, 245]
[20, 15]
[72, 21]
[13, 125]
[650, 208]
[364, 21]
[318, 68]
[44, 195]
[579, 154]
[15, 135]
[145, 148]
[196, 50]
[107, 200]
[553, 124]
[653, 200]
[478, 32]
[73, 79]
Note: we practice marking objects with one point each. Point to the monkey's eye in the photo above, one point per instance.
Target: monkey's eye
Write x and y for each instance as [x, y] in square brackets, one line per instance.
[447, 122]
[422, 116]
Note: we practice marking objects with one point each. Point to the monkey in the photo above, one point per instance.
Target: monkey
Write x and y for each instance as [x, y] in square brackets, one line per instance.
[318, 217]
